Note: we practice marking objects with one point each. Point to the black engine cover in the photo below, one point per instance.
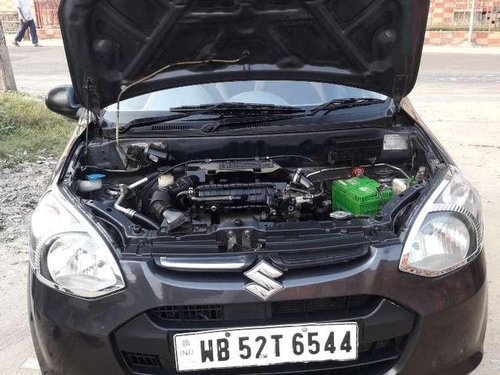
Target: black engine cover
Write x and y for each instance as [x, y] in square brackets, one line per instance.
[237, 196]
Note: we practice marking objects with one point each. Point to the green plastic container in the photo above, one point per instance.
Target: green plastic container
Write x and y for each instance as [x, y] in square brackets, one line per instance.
[360, 196]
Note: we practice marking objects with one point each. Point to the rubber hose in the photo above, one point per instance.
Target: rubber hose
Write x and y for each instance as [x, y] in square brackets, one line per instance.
[145, 220]
[163, 199]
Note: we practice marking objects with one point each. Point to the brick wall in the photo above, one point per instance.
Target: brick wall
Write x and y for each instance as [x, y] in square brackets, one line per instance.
[448, 21]
[456, 14]
[442, 12]
[481, 38]
[49, 33]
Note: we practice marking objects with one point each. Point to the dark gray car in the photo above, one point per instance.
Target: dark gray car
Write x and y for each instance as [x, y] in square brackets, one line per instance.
[248, 191]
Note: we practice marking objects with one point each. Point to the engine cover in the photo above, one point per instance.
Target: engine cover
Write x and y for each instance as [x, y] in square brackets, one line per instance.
[232, 170]
[235, 196]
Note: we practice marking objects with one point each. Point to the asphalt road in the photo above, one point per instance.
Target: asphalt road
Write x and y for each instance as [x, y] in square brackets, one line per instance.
[458, 96]
[37, 70]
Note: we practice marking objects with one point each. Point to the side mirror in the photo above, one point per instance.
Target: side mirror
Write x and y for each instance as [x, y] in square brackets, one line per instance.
[62, 100]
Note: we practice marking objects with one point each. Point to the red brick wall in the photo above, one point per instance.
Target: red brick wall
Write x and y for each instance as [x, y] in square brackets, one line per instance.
[442, 11]
[449, 21]
[481, 38]
[49, 33]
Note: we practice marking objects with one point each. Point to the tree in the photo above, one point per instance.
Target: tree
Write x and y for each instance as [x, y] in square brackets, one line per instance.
[7, 81]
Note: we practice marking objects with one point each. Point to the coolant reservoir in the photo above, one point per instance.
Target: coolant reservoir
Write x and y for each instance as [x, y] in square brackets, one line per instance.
[165, 180]
[92, 183]
[399, 185]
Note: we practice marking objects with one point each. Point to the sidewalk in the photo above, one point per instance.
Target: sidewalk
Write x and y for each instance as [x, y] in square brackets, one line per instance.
[43, 42]
[462, 49]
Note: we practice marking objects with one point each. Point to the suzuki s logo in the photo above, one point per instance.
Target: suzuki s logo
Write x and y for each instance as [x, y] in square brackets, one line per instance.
[264, 284]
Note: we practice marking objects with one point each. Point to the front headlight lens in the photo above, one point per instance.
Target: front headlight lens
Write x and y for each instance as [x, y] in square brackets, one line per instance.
[459, 192]
[68, 253]
[447, 233]
[442, 241]
[75, 262]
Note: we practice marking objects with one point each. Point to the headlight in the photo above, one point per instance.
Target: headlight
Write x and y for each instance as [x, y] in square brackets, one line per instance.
[68, 253]
[448, 231]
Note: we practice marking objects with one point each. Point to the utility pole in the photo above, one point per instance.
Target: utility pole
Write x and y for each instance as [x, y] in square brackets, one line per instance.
[7, 81]
[472, 18]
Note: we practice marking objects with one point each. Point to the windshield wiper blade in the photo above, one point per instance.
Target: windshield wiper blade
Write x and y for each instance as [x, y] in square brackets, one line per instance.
[148, 121]
[238, 109]
[344, 103]
[244, 122]
[221, 110]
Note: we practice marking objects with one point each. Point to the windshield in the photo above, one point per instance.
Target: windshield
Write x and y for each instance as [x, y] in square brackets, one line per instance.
[282, 93]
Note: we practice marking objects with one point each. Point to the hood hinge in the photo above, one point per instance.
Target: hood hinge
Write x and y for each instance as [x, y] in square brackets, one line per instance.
[398, 90]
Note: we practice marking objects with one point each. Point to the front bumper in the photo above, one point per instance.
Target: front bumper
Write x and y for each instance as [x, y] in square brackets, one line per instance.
[426, 326]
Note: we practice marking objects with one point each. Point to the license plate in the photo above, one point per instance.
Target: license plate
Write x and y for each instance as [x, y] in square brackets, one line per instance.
[261, 346]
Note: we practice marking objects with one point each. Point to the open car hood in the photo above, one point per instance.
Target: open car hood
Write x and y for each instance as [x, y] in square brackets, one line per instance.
[370, 44]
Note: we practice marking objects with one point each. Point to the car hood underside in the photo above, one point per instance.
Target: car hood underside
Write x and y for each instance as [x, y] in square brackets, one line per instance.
[371, 44]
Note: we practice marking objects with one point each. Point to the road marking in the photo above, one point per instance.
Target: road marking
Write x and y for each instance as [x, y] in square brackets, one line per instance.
[31, 364]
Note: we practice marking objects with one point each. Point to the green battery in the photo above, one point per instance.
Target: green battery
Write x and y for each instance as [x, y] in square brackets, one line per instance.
[360, 196]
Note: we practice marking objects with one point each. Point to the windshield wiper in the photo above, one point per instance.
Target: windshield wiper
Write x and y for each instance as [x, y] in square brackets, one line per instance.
[236, 115]
[249, 113]
[231, 108]
[148, 121]
[245, 122]
[344, 103]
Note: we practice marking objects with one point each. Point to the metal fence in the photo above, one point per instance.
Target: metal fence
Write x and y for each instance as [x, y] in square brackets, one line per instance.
[46, 13]
[10, 22]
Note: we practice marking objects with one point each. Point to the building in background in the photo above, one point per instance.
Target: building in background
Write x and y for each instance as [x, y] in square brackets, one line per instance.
[8, 16]
[448, 20]
[45, 12]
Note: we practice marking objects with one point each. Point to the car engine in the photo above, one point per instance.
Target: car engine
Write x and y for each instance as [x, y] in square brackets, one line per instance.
[213, 192]
[172, 195]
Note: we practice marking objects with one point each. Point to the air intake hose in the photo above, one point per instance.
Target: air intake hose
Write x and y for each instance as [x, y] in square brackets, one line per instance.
[163, 205]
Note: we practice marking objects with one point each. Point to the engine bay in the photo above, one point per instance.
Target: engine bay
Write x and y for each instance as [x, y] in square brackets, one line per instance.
[159, 190]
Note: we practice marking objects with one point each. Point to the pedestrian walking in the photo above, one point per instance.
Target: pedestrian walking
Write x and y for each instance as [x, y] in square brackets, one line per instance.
[26, 21]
